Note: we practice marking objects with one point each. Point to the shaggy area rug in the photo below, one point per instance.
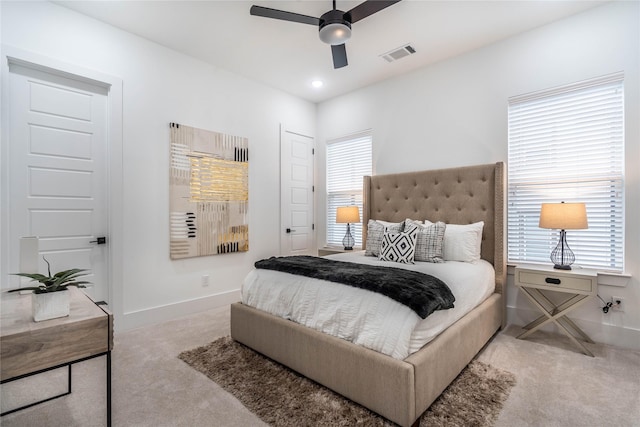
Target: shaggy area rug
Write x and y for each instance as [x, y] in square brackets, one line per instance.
[281, 397]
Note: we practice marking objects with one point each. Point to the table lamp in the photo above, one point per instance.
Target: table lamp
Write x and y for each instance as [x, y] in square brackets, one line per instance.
[348, 215]
[563, 216]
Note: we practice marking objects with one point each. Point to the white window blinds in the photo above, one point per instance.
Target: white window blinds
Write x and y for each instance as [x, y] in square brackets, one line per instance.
[348, 160]
[567, 144]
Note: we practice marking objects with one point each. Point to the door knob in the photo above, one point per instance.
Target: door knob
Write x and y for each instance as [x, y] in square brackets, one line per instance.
[99, 240]
[289, 230]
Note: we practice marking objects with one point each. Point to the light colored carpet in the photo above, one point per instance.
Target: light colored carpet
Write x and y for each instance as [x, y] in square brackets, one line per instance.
[283, 398]
[559, 386]
[556, 385]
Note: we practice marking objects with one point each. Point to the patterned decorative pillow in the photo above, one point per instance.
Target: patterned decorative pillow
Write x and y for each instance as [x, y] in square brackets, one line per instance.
[375, 231]
[399, 247]
[430, 241]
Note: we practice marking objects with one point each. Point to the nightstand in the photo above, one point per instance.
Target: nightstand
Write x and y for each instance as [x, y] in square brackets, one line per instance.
[337, 250]
[578, 285]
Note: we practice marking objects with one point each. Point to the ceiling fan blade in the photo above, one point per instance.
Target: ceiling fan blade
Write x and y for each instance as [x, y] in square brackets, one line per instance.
[369, 7]
[283, 15]
[339, 53]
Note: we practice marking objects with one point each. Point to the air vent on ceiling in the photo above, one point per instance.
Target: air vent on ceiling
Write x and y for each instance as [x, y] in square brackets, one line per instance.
[398, 53]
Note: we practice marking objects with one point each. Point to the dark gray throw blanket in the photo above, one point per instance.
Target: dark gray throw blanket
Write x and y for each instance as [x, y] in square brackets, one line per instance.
[421, 292]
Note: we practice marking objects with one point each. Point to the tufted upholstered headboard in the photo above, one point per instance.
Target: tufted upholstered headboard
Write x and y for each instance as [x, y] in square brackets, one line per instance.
[461, 195]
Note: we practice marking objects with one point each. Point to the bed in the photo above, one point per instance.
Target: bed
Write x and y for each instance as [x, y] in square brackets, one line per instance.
[400, 390]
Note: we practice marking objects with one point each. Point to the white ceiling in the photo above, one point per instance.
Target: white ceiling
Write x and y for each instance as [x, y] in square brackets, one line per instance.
[288, 55]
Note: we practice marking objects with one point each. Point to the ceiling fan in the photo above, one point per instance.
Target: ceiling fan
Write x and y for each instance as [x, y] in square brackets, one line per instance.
[334, 26]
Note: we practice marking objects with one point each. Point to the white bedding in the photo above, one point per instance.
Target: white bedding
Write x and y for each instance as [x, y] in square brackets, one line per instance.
[363, 317]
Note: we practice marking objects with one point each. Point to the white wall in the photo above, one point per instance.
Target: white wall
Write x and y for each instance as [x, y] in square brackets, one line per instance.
[454, 113]
[162, 86]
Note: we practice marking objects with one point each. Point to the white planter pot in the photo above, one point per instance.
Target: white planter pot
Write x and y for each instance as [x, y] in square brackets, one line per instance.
[50, 305]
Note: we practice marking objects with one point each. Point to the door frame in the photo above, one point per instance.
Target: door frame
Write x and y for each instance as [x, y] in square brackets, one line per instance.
[12, 55]
[284, 129]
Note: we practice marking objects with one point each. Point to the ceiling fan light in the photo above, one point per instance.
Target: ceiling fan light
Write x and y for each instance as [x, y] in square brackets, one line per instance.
[335, 34]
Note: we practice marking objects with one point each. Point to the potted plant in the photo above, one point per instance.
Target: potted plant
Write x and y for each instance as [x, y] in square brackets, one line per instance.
[50, 299]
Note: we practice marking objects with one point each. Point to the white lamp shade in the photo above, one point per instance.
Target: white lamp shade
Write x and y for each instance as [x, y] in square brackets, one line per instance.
[563, 216]
[347, 214]
[335, 34]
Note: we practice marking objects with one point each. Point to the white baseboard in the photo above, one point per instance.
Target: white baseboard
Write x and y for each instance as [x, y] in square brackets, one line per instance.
[149, 316]
[603, 333]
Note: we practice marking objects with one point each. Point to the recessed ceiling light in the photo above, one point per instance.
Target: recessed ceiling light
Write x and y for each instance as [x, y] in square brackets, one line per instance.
[317, 83]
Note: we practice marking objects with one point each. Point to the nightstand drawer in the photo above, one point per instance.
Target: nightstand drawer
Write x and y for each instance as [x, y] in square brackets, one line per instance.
[549, 280]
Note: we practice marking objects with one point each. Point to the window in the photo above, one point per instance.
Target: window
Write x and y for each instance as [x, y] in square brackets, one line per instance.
[567, 144]
[348, 160]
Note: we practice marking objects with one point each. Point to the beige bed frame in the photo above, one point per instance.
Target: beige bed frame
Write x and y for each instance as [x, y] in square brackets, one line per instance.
[399, 390]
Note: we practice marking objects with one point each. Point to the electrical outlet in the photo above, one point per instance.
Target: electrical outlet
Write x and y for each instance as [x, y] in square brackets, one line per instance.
[617, 306]
[205, 280]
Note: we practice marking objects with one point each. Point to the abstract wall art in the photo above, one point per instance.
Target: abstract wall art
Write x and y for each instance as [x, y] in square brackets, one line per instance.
[209, 192]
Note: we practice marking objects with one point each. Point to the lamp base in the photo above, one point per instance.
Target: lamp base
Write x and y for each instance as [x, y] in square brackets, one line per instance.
[562, 256]
[348, 240]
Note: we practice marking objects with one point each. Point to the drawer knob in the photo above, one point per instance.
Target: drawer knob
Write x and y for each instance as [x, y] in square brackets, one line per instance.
[552, 280]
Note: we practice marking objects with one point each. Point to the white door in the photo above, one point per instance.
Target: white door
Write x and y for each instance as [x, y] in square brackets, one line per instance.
[296, 194]
[57, 172]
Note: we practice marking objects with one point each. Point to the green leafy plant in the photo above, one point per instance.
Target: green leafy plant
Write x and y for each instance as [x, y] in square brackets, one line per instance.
[58, 282]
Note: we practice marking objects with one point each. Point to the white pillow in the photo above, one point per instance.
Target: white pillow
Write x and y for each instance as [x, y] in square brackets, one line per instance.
[462, 242]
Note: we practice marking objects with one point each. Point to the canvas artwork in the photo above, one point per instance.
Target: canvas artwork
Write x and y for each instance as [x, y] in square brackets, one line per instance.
[209, 192]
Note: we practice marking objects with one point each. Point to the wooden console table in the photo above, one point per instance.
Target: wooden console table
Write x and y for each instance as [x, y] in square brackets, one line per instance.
[31, 348]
